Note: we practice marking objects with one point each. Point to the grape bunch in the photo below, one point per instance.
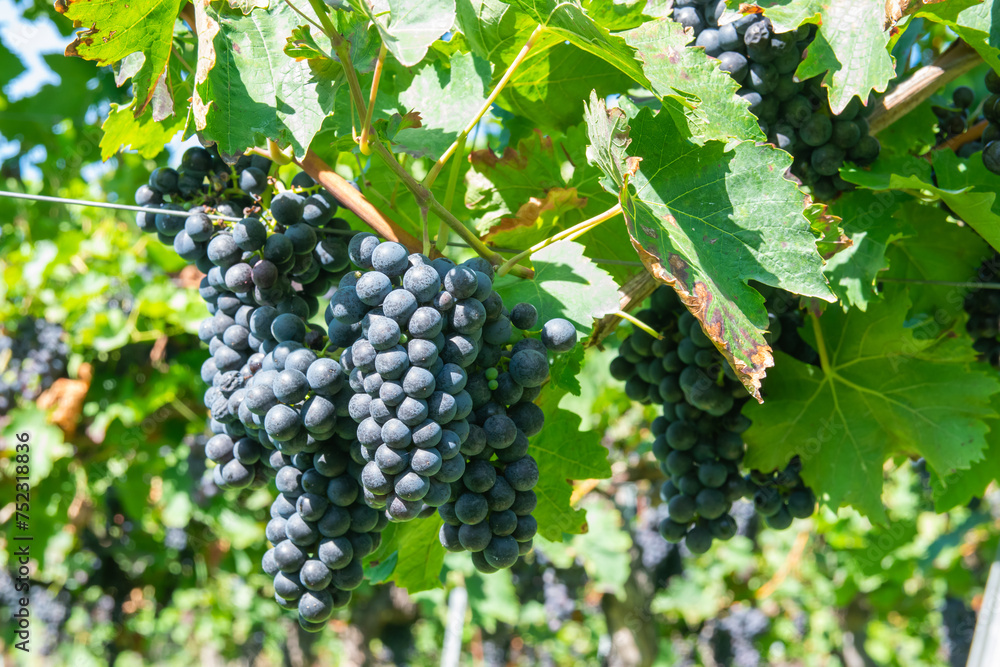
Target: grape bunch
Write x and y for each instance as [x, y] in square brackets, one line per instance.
[697, 438]
[32, 356]
[320, 528]
[781, 495]
[983, 308]
[953, 121]
[416, 397]
[443, 394]
[794, 115]
[991, 135]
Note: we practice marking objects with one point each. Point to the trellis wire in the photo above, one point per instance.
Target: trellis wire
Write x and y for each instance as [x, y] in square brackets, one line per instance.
[213, 216]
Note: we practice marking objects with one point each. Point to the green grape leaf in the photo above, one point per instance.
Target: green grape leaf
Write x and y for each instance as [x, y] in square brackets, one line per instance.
[116, 30]
[885, 391]
[419, 554]
[147, 133]
[446, 99]
[10, 66]
[677, 70]
[919, 257]
[247, 6]
[565, 369]
[409, 28]
[568, 21]
[547, 87]
[705, 221]
[870, 225]
[488, 26]
[976, 22]
[849, 51]
[566, 284]
[966, 186]
[959, 486]
[563, 453]
[248, 90]
[143, 135]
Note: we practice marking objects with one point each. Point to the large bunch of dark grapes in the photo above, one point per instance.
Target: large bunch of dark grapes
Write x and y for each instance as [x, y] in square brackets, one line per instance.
[794, 115]
[32, 356]
[991, 135]
[443, 391]
[697, 437]
[418, 394]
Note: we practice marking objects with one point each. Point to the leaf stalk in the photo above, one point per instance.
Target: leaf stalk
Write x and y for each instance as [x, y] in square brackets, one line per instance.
[497, 89]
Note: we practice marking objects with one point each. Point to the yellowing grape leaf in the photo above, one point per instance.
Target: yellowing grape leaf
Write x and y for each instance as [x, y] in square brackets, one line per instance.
[706, 221]
[114, 30]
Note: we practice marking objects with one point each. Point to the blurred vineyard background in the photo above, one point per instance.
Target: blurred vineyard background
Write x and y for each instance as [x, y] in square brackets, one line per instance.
[140, 559]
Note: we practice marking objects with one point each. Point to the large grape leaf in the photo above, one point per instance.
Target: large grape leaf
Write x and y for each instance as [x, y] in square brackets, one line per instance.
[957, 487]
[882, 391]
[418, 551]
[870, 223]
[966, 186]
[408, 28]
[563, 453]
[114, 30]
[705, 221]
[447, 99]
[149, 132]
[568, 21]
[919, 257]
[850, 47]
[248, 90]
[675, 70]
[566, 284]
[489, 26]
[975, 21]
[547, 87]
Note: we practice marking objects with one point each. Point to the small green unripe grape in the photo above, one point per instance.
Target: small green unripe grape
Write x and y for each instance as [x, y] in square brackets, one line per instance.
[491, 374]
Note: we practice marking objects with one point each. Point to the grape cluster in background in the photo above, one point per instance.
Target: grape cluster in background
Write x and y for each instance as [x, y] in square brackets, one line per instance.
[417, 397]
[33, 355]
[697, 437]
[990, 141]
[794, 115]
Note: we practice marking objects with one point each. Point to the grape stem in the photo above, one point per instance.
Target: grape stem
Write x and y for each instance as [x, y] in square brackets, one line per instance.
[363, 143]
[636, 322]
[824, 358]
[630, 296]
[355, 202]
[497, 89]
[565, 235]
[449, 195]
[956, 142]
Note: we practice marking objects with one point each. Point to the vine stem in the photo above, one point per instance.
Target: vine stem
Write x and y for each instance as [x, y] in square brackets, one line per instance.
[956, 142]
[947, 67]
[565, 235]
[636, 322]
[824, 358]
[497, 89]
[356, 202]
[363, 144]
[421, 193]
[630, 296]
[449, 195]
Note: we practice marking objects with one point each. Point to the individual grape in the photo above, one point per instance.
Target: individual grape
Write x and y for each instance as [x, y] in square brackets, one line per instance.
[559, 335]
